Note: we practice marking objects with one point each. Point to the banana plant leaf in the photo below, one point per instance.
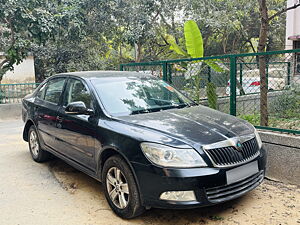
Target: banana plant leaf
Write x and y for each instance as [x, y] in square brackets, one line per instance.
[173, 45]
[193, 39]
[216, 65]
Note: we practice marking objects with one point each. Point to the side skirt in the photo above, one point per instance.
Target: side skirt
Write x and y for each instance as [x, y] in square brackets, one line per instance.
[73, 163]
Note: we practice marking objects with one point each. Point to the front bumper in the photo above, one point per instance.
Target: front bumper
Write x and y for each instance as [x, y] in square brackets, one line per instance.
[209, 184]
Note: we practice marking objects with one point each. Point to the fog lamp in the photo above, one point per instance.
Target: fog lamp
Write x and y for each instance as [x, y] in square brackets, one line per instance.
[180, 196]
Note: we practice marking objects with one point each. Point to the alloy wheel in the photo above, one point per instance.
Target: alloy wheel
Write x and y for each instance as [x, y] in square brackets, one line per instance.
[34, 144]
[117, 187]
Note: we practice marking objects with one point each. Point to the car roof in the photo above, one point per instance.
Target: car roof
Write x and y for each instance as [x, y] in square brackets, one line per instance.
[106, 74]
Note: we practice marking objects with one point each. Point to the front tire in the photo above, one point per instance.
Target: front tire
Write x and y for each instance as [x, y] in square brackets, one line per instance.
[120, 188]
[36, 152]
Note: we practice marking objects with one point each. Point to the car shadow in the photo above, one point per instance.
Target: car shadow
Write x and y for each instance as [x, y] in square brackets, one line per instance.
[78, 183]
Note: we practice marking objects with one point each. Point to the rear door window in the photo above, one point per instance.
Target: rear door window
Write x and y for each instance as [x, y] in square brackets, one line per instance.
[54, 90]
[41, 92]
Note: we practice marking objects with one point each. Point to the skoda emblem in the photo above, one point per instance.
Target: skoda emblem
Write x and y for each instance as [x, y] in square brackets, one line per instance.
[239, 146]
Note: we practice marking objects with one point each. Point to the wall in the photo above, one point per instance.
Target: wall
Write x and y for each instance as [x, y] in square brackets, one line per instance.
[245, 104]
[292, 23]
[23, 73]
[283, 153]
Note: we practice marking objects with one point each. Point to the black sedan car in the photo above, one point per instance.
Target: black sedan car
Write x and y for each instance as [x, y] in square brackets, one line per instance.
[148, 144]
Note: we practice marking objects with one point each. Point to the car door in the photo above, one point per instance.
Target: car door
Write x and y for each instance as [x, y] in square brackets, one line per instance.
[77, 132]
[46, 107]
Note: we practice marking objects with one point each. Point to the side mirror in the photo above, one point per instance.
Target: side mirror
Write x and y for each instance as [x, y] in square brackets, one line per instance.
[78, 108]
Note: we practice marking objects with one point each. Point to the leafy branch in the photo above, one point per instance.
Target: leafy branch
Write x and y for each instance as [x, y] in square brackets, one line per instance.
[284, 10]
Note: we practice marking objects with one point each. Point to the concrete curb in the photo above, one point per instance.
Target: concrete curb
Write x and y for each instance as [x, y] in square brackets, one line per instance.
[283, 153]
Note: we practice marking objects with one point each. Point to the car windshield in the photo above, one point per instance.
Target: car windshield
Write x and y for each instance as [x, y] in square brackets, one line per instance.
[126, 95]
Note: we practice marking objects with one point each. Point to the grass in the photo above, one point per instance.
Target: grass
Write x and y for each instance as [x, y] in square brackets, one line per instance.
[292, 123]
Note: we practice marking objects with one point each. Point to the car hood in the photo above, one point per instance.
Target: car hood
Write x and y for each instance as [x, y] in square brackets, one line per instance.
[192, 125]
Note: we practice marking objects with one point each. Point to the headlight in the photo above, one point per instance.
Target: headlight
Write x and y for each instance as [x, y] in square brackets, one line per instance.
[167, 156]
[259, 142]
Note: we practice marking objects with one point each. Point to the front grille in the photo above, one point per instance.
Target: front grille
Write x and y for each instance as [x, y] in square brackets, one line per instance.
[231, 191]
[228, 156]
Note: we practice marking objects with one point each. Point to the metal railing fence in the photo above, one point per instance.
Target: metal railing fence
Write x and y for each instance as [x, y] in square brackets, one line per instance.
[231, 84]
[13, 93]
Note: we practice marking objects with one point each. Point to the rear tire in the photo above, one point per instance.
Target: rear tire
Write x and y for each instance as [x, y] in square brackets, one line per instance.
[120, 187]
[37, 154]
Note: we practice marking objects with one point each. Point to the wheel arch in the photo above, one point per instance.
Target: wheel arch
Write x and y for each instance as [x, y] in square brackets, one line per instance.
[27, 126]
[107, 153]
[111, 151]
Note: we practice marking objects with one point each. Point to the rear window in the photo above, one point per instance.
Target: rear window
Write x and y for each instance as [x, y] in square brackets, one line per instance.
[41, 92]
[54, 89]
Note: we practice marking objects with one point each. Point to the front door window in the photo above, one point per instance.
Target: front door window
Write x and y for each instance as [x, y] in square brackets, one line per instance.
[76, 91]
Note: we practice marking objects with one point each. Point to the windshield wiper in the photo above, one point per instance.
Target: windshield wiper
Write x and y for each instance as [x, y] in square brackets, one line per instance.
[156, 109]
[140, 111]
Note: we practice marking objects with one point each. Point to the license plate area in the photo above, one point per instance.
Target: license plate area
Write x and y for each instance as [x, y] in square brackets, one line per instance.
[241, 172]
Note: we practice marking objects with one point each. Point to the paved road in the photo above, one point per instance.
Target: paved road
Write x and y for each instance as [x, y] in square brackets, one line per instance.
[55, 193]
[29, 194]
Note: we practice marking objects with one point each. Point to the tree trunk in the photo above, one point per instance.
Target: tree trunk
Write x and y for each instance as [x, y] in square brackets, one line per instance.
[262, 59]
[262, 63]
[240, 87]
[2, 72]
[1, 75]
[138, 52]
[3, 69]
[120, 52]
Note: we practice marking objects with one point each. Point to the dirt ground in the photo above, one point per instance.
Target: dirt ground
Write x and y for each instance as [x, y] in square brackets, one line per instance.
[55, 193]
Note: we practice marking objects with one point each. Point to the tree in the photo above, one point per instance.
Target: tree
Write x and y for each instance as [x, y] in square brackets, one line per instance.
[263, 36]
[232, 26]
[68, 35]
[22, 23]
[86, 38]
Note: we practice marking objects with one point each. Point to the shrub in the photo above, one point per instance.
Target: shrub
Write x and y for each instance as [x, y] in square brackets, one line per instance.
[211, 95]
[254, 119]
[287, 105]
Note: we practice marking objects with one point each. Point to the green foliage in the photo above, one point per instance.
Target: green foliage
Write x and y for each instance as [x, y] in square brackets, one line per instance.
[194, 46]
[294, 88]
[22, 23]
[193, 86]
[193, 39]
[254, 119]
[232, 26]
[173, 45]
[212, 95]
[286, 105]
[73, 35]
[274, 121]
[284, 110]
[216, 65]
